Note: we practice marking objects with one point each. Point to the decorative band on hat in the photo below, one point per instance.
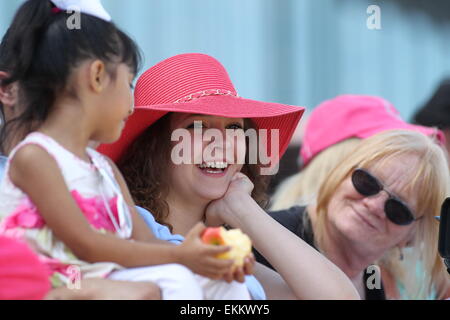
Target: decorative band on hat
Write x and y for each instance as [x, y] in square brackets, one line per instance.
[206, 93]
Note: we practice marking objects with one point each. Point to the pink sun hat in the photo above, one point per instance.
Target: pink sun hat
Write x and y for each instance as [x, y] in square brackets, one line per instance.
[353, 116]
[198, 83]
[22, 275]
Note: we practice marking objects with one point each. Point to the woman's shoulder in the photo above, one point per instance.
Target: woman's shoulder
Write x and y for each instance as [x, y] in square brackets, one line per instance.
[296, 220]
[3, 161]
[290, 218]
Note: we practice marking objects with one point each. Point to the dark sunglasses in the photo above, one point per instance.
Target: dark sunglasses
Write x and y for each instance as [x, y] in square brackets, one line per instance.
[396, 210]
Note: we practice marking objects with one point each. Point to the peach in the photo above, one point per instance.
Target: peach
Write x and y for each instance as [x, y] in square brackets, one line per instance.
[240, 243]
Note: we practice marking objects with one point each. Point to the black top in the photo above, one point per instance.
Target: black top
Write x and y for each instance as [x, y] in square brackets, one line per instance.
[297, 220]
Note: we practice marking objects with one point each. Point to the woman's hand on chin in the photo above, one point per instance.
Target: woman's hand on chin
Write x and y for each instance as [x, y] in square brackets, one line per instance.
[221, 211]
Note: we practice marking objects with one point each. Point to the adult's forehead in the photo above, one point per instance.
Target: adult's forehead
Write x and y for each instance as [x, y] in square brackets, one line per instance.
[397, 173]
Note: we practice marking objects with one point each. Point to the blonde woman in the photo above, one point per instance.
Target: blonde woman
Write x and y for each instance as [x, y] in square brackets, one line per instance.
[302, 187]
[333, 131]
[380, 199]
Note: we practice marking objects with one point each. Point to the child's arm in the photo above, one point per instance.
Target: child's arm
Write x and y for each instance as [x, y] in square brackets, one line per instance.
[37, 174]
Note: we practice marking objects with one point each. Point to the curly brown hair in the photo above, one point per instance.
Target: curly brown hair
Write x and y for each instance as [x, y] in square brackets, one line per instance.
[145, 169]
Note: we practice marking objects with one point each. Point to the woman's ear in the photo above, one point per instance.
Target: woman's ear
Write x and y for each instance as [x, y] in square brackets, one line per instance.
[98, 77]
[8, 93]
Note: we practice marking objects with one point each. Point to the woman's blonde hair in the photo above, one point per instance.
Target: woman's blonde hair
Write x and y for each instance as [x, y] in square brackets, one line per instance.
[302, 187]
[428, 179]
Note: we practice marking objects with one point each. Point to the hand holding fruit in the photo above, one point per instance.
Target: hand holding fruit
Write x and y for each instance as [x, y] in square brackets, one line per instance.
[200, 257]
[240, 243]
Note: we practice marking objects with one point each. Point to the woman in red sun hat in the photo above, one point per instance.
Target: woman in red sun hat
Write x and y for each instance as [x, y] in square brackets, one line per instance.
[179, 156]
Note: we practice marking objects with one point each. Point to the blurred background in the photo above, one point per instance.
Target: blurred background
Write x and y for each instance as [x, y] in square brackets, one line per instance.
[298, 52]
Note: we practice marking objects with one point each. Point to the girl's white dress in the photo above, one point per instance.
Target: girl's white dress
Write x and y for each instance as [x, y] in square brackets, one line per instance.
[97, 193]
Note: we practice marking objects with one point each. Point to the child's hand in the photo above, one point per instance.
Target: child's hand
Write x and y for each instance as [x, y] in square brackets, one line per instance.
[201, 257]
[239, 273]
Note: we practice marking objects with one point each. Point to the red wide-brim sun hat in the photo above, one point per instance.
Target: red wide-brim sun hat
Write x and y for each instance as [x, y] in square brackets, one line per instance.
[198, 84]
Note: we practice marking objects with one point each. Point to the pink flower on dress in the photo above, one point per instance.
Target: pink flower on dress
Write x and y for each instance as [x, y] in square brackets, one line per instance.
[26, 216]
[95, 211]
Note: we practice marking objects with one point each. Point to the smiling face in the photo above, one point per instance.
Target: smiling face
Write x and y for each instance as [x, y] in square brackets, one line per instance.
[211, 166]
[362, 220]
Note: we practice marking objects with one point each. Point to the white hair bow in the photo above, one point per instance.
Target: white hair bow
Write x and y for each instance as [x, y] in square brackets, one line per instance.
[91, 7]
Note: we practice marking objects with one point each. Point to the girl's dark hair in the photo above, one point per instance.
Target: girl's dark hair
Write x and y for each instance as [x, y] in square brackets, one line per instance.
[42, 50]
[4, 66]
[145, 167]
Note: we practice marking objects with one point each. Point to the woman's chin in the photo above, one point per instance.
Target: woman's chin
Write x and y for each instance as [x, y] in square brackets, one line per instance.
[212, 194]
[354, 231]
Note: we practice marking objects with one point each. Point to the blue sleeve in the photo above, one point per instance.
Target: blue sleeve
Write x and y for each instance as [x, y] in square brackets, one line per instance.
[2, 166]
[255, 288]
[163, 233]
[160, 231]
